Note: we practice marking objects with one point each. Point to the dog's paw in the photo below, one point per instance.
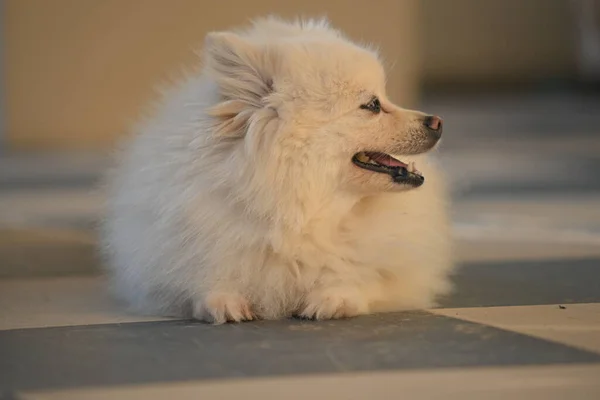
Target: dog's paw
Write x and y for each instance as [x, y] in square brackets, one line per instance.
[333, 304]
[219, 308]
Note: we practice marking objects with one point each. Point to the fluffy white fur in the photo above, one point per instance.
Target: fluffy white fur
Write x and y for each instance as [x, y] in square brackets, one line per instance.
[238, 198]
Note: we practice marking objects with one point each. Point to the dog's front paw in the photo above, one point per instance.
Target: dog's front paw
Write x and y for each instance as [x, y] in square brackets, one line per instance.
[219, 308]
[334, 303]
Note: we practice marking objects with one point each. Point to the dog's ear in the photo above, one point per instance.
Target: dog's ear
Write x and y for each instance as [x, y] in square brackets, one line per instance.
[243, 72]
[242, 69]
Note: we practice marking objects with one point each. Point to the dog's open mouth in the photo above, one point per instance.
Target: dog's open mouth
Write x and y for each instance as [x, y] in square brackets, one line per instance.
[385, 164]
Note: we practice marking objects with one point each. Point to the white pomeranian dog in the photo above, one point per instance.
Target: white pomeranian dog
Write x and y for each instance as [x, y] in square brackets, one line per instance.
[279, 181]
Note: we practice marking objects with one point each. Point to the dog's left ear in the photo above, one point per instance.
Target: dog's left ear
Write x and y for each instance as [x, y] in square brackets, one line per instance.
[243, 70]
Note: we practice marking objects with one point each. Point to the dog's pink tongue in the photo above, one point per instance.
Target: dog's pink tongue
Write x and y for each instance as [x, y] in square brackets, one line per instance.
[386, 160]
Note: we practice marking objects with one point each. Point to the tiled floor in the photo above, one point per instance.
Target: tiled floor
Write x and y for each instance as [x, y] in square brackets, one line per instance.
[524, 321]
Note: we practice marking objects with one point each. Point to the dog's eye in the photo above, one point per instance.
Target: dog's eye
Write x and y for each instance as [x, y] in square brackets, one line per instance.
[374, 106]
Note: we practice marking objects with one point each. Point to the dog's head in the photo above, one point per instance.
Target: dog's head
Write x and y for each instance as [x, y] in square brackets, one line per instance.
[310, 109]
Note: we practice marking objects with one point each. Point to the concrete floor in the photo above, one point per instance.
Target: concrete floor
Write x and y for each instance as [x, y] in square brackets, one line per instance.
[524, 322]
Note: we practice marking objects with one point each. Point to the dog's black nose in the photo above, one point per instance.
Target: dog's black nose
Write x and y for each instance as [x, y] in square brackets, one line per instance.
[433, 123]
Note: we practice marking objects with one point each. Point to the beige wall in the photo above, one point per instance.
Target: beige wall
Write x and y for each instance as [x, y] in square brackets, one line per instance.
[78, 72]
[497, 40]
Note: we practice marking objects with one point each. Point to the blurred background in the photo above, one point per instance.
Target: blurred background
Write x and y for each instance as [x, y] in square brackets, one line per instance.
[515, 80]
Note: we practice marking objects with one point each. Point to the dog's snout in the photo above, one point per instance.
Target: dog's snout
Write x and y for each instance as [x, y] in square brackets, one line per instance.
[433, 123]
